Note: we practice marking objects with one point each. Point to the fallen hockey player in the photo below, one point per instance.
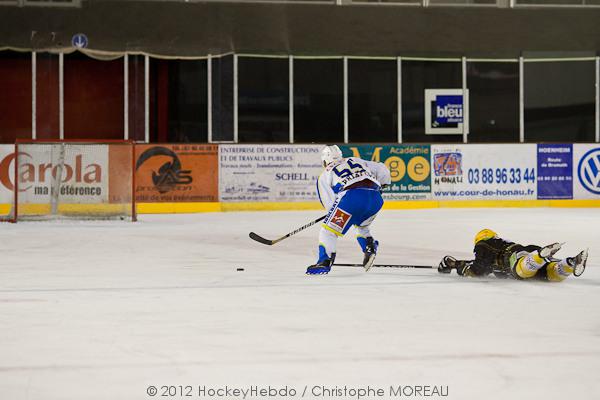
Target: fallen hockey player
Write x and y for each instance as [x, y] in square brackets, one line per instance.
[349, 189]
[506, 259]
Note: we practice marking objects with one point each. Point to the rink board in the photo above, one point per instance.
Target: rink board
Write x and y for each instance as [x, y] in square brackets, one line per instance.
[263, 177]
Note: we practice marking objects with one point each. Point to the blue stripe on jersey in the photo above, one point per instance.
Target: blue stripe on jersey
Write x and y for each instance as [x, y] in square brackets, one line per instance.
[319, 193]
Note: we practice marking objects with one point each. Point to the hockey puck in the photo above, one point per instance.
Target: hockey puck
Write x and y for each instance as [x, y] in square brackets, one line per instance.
[239, 269]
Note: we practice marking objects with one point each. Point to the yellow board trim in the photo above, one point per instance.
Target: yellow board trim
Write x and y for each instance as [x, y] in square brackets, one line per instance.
[74, 209]
[271, 206]
[400, 205]
[176, 208]
[156, 208]
[166, 208]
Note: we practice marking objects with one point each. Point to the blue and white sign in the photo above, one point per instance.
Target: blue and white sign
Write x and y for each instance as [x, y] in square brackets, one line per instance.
[445, 111]
[254, 172]
[587, 171]
[483, 172]
[555, 171]
[80, 41]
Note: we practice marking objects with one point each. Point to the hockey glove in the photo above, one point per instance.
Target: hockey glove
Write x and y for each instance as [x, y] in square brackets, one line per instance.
[446, 265]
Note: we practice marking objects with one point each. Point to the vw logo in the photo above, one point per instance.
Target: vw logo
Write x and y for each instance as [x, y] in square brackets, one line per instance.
[589, 171]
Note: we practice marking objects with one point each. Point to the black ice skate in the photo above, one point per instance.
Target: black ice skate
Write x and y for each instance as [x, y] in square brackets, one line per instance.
[578, 262]
[370, 253]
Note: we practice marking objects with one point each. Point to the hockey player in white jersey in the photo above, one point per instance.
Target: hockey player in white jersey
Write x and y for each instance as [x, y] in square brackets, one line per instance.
[350, 189]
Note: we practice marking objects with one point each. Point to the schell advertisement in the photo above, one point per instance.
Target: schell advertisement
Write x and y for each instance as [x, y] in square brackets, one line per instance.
[269, 172]
[408, 164]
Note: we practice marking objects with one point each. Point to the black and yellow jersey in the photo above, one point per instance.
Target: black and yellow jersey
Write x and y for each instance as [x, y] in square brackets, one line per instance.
[494, 256]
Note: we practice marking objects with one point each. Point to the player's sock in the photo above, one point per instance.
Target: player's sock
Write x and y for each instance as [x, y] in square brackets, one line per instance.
[558, 271]
[528, 265]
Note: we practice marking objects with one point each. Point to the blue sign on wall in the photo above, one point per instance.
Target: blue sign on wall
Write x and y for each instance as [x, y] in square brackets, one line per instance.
[447, 111]
[80, 41]
[555, 171]
[588, 171]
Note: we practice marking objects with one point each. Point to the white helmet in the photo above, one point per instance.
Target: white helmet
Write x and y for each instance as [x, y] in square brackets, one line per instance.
[330, 154]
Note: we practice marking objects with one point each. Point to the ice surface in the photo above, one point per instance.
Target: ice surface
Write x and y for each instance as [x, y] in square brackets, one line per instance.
[102, 310]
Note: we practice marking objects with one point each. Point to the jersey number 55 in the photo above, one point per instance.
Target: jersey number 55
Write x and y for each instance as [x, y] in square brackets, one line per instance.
[347, 169]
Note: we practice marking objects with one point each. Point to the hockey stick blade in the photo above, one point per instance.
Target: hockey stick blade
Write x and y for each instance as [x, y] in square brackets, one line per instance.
[387, 266]
[268, 242]
[261, 239]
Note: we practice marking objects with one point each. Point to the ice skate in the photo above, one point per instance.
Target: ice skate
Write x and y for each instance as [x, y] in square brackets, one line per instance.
[578, 262]
[320, 268]
[370, 253]
[550, 250]
[323, 265]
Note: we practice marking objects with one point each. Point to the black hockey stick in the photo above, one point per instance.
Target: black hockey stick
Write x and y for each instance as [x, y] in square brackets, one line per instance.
[268, 242]
[387, 266]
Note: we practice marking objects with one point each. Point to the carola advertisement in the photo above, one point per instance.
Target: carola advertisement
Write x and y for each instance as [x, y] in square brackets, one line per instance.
[85, 177]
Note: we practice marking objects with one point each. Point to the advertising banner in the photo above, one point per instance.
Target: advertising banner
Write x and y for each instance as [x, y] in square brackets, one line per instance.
[555, 171]
[445, 111]
[408, 164]
[269, 172]
[84, 173]
[176, 173]
[7, 173]
[586, 171]
[480, 172]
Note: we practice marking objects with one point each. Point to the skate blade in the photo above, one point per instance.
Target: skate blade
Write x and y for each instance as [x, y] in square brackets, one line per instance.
[367, 266]
[580, 268]
[551, 249]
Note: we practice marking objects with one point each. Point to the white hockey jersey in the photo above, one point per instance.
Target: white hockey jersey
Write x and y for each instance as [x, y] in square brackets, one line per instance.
[339, 175]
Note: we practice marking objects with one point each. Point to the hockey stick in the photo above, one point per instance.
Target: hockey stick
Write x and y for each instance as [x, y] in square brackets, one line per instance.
[268, 242]
[387, 266]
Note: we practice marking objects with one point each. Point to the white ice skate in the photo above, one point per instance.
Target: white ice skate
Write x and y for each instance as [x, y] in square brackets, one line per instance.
[578, 262]
[550, 250]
